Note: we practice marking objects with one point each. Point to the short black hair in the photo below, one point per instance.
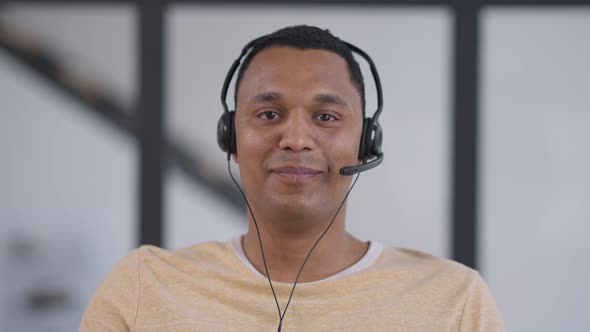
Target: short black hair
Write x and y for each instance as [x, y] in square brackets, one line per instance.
[306, 37]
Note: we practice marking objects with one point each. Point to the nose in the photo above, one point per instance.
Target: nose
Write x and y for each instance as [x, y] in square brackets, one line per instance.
[297, 133]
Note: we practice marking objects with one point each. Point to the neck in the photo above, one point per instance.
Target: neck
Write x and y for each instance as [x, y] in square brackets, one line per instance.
[286, 245]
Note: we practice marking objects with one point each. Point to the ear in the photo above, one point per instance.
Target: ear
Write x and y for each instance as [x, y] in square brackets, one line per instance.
[234, 157]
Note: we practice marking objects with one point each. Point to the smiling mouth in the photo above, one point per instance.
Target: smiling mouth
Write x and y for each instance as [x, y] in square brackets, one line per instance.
[296, 174]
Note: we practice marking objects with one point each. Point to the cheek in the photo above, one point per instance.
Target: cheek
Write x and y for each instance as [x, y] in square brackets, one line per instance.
[344, 148]
[250, 144]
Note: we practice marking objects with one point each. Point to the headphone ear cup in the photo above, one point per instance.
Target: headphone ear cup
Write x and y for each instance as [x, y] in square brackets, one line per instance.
[363, 144]
[226, 138]
[376, 139]
[233, 149]
[371, 140]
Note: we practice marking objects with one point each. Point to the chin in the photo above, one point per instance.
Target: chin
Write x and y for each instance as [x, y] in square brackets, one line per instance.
[296, 207]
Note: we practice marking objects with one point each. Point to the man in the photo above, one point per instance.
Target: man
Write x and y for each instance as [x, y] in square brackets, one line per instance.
[298, 122]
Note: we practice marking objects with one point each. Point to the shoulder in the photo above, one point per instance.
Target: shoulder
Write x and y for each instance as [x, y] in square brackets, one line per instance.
[413, 268]
[448, 279]
[197, 260]
[206, 252]
[117, 300]
[421, 262]
[147, 255]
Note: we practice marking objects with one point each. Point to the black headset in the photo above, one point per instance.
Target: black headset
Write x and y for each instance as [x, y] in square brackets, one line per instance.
[371, 137]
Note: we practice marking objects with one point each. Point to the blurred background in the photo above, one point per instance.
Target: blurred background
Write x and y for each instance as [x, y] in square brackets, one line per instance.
[108, 113]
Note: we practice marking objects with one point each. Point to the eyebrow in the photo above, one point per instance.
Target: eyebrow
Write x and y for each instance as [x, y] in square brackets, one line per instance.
[321, 98]
[266, 97]
[330, 99]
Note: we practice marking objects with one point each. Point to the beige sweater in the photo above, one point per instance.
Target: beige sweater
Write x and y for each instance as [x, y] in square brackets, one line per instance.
[211, 287]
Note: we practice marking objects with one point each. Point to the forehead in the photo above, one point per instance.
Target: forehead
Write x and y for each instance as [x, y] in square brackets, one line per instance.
[293, 70]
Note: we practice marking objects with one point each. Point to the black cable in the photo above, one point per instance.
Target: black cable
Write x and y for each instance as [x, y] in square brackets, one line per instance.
[284, 312]
[312, 248]
[257, 232]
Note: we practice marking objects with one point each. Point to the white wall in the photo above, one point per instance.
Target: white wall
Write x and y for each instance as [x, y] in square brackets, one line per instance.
[535, 182]
[68, 201]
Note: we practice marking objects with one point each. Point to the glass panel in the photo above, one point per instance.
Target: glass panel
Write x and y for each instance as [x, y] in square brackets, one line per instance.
[67, 180]
[536, 128]
[94, 42]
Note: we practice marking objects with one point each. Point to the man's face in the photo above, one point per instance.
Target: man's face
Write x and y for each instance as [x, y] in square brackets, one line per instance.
[298, 121]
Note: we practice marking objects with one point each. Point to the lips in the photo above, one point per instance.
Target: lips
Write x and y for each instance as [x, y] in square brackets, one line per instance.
[296, 174]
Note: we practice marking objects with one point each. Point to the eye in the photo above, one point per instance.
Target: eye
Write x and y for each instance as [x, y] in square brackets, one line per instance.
[269, 115]
[326, 117]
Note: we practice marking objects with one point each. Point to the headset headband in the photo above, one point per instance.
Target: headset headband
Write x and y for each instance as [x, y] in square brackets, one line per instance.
[354, 49]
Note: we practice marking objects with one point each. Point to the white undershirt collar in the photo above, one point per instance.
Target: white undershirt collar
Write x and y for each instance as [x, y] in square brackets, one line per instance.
[372, 253]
